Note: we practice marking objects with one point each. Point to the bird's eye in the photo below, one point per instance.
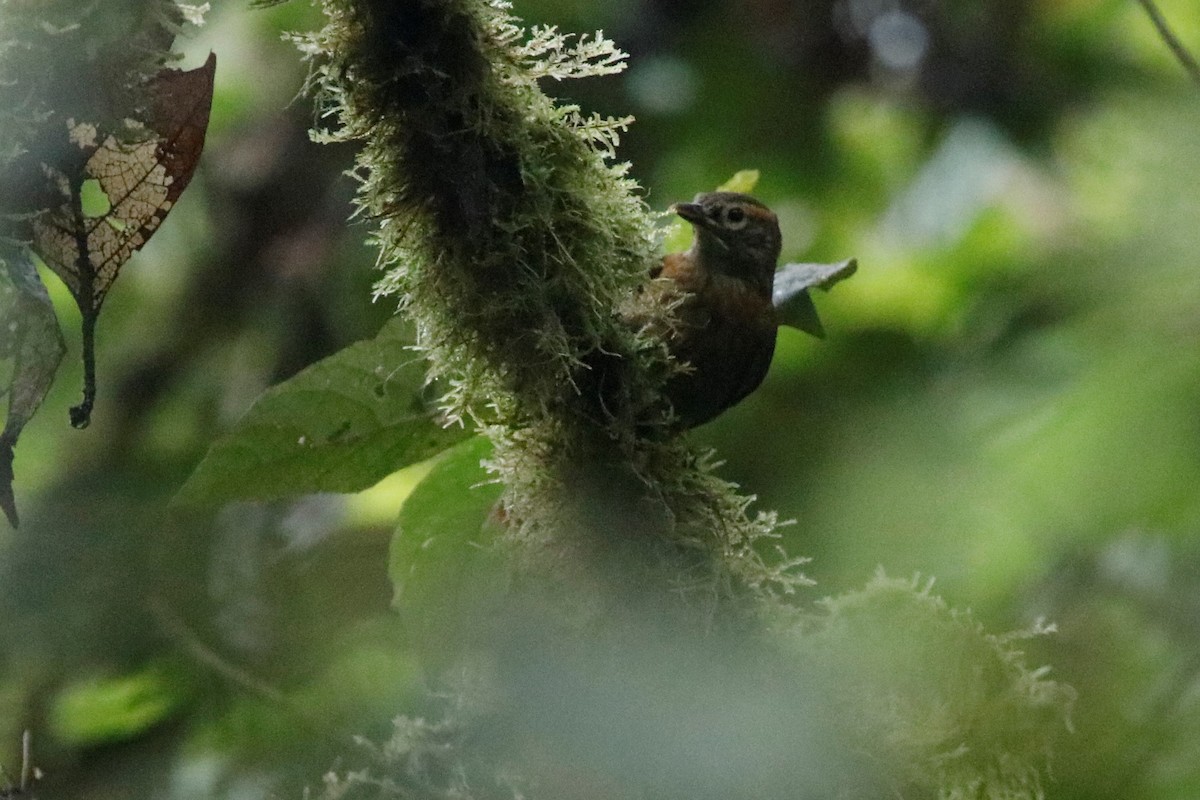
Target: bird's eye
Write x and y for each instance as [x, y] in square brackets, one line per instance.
[735, 216]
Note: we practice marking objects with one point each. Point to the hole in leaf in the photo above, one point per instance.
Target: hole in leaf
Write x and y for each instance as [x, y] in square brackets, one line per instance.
[93, 200]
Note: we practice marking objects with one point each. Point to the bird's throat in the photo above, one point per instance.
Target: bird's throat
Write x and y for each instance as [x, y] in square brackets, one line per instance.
[718, 257]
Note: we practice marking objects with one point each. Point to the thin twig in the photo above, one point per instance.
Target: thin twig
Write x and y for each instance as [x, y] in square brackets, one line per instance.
[27, 769]
[1172, 41]
[177, 628]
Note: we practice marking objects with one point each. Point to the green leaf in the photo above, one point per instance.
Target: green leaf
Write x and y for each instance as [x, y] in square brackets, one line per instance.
[793, 305]
[744, 181]
[341, 425]
[99, 710]
[30, 336]
[441, 565]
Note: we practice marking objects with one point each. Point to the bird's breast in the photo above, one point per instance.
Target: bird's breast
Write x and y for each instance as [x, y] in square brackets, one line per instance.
[727, 334]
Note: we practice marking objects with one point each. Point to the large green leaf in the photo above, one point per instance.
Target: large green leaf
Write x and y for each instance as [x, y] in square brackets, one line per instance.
[441, 564]
[341, 425]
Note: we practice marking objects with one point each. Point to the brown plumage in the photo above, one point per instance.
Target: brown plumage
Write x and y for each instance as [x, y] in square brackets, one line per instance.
[726, 321]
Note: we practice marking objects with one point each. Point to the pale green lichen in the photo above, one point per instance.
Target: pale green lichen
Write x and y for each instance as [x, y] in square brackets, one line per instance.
[947, 709]
[424, 759]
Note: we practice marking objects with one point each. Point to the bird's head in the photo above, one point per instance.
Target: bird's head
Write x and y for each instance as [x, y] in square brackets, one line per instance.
[735, 234]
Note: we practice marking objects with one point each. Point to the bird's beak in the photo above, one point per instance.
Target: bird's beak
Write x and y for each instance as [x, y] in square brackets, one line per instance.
[692, 212]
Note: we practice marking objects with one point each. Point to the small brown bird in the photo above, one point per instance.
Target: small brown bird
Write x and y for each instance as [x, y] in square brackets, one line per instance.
[726, 322]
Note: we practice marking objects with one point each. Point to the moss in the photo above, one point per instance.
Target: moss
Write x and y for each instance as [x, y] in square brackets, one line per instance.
[512, 240]
[946, 709]
[504, 231]
[510, 236]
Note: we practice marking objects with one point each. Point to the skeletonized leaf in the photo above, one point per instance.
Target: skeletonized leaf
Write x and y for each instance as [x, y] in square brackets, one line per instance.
[140, 180]
[793, 305]
[340, 425]
[139, 176]
[30, 336]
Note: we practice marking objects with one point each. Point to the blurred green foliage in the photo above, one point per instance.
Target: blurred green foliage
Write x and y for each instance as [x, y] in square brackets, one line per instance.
[1006, 399]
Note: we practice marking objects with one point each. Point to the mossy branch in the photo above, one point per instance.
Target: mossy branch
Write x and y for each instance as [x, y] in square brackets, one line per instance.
[511, 238]
[503, 230]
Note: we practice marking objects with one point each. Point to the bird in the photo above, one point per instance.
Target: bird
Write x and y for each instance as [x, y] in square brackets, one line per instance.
[724, 324]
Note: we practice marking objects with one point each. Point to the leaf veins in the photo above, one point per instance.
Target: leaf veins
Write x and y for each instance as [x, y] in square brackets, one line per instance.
[141, 173]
